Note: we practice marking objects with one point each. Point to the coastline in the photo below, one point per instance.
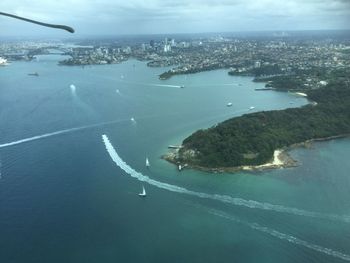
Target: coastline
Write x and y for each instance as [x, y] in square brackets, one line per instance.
[281, 159]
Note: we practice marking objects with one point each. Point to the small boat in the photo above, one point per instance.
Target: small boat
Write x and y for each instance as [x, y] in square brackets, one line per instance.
[174, 146]
[132, 119]
[34, 74]
[3, 62]
[182, 86]
[301, 94]
[180, 167]
[251, 108]
[147, 163]
[229, 104]
[262, 89]
[143, 193]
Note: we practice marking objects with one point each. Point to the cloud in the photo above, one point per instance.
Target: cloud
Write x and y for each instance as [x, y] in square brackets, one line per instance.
[169, 16]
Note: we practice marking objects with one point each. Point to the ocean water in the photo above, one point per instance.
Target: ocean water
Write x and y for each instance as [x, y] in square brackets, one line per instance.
[73, 163]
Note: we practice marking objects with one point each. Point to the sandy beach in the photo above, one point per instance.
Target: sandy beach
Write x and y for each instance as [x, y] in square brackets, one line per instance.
[281, 159]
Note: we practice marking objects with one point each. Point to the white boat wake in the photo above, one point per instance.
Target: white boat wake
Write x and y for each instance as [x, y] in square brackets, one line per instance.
[88, 109]
[222, 198]
[73, 89]
[236, 201]
[60, 132]
[164, 85]
[46, 135]
[152, 84]
[282, 236]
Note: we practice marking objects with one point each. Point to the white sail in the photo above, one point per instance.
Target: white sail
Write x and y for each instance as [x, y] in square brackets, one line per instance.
[143, 192]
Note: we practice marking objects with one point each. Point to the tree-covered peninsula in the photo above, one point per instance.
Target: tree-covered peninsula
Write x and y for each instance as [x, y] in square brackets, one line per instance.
[251, 139]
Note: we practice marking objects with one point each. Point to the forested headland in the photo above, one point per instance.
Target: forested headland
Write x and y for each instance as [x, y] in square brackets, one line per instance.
[251, 139]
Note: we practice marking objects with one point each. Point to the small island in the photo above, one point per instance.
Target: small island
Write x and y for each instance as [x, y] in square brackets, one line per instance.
[260, 140]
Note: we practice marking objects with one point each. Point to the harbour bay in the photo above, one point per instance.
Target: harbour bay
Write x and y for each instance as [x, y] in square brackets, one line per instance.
[67, 187]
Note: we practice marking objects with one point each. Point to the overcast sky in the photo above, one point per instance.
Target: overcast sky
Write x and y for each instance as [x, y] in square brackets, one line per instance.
[109, 17]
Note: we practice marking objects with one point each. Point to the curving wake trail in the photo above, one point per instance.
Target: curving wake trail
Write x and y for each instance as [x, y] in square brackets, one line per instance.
[222, 198]
[236, 201]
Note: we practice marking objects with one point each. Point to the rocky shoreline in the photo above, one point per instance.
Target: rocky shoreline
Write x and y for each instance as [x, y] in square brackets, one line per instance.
[281, 159]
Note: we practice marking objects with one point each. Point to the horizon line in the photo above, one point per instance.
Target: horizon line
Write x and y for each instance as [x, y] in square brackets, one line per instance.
[77, 36]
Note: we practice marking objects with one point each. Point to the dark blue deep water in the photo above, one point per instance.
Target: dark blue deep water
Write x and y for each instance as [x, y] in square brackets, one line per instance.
[63, 199]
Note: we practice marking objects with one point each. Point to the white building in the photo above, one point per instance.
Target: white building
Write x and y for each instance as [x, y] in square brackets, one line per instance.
[257, 64]
[167, 48]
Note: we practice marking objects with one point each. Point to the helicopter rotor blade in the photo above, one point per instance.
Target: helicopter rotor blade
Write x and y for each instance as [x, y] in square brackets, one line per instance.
[67, 28]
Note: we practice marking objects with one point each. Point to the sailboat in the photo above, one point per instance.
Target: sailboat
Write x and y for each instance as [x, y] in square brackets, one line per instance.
[147, 163]
[143, 194]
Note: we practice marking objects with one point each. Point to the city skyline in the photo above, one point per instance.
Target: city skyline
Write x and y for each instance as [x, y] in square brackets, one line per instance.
[105, 17]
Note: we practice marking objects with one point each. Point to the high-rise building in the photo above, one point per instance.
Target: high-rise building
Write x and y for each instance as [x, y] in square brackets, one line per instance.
[167, 48]
[127, 50]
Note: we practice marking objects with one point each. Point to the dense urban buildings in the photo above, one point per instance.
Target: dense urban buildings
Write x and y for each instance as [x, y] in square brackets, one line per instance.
[265, 57]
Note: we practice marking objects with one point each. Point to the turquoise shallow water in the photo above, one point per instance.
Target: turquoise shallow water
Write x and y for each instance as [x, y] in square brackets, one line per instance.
[63, 199]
